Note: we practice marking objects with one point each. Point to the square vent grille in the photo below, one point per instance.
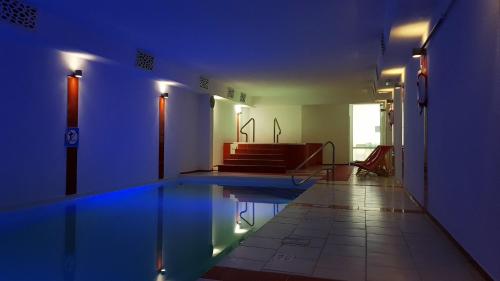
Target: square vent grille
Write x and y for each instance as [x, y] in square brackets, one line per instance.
[382, 43]
[18, 13]
[230, 93]
[204, 83]
[243, 97]
[144, 60]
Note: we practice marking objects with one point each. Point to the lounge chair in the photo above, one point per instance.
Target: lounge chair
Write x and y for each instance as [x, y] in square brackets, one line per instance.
[378, 162]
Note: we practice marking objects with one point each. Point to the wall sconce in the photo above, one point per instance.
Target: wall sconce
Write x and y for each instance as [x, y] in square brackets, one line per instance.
[77, 74]
[398, 86]
[418, 52]
[164, 95]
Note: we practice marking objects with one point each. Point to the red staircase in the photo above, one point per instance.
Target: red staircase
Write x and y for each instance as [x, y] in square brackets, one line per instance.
[255, 158]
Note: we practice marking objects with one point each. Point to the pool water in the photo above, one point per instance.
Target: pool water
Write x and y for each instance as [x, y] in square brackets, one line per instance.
[169, 232]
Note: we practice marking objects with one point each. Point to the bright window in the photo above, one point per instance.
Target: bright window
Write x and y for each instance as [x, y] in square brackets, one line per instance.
[365, 129]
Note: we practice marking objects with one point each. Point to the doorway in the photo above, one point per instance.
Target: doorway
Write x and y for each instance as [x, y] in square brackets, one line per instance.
[365, 130]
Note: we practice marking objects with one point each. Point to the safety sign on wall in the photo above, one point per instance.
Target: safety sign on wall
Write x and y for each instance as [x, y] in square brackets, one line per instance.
[72, 137]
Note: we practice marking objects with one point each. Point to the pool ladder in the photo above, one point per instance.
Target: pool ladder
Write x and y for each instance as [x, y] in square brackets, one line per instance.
[329, 167]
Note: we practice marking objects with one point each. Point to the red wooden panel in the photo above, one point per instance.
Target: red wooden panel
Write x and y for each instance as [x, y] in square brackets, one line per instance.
[161, 134]
[310, 149]
[72, 121]
[226, 150]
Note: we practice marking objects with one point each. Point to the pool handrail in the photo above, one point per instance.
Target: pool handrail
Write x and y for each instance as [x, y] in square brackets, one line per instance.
[276, 137]
[253, 129]
[332, 168]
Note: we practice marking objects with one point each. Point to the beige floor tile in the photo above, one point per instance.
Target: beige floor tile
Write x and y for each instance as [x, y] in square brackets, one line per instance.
[252, 253]
[290, 264]
[346, 240]
[344, 250]
[300, 252]
[380, 273]
[351, 263]
[241, 263]
[306, 232]
[339, 274]
[262, 242]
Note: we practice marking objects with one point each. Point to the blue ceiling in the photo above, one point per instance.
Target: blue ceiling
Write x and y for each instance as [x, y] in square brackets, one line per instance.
[272, 47]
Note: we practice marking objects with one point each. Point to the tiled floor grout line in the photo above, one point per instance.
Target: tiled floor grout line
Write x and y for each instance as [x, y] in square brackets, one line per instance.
[371, 197]
[321, 252]
[366, 242]
[347, 207]
[411, 254]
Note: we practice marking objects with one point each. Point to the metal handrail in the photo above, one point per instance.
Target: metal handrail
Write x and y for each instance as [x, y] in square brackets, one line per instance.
[276, 138]
[318, 170]
[253, 130]
[246, 210]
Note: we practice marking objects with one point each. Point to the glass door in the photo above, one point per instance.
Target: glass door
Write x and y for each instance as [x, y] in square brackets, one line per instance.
[365, 130]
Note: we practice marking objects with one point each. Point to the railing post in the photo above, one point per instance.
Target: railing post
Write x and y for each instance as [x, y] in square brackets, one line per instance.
[253, 122]
[274, 131]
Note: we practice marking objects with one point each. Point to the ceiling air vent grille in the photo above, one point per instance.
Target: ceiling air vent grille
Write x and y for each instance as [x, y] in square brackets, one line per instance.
[382, 43]
[144, 60]
[18, 13]
[204, 83]
[243, 97]
[230, 93]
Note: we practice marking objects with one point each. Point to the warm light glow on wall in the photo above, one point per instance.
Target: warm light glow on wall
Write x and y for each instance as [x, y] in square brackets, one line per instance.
[77, 60]
[413, 30]
[219, 97]
[393, 71]
[385, 90]
[163, 86]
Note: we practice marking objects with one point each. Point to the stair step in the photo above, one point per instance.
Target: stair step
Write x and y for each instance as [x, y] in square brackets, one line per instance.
[271, 162]
[258, 151]
[253, 168]
[257, 156]
[261, 146]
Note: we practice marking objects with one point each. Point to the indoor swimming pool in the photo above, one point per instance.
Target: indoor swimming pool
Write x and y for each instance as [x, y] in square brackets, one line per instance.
[167, 232]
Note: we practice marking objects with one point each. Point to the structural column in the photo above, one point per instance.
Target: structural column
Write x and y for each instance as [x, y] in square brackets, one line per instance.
[72, 136]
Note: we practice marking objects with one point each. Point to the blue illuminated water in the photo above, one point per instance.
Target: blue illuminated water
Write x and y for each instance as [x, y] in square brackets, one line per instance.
[133, 234]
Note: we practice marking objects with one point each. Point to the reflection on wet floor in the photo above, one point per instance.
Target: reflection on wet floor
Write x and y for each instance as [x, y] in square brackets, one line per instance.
[348, 231]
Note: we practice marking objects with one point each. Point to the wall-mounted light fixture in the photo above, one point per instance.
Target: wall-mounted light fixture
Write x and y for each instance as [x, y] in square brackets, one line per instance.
[237, 109]
[418, 52]
[164, 95]
[398, 86]
[77, 73]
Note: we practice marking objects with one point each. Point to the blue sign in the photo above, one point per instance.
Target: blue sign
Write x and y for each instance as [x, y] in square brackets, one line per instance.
[72, 137]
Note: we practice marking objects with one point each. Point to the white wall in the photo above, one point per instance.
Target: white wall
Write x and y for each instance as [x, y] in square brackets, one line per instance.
[289, 118]
[187, 143]
[118, 114]
[464, 109]
[398, 139]
[321, 123]
[414, 136]
[224, 128]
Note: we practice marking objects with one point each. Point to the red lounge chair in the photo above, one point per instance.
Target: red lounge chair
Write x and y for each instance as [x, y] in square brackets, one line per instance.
[378, 162]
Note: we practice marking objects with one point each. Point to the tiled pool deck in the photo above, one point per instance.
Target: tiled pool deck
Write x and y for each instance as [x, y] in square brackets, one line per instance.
[364, 229]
